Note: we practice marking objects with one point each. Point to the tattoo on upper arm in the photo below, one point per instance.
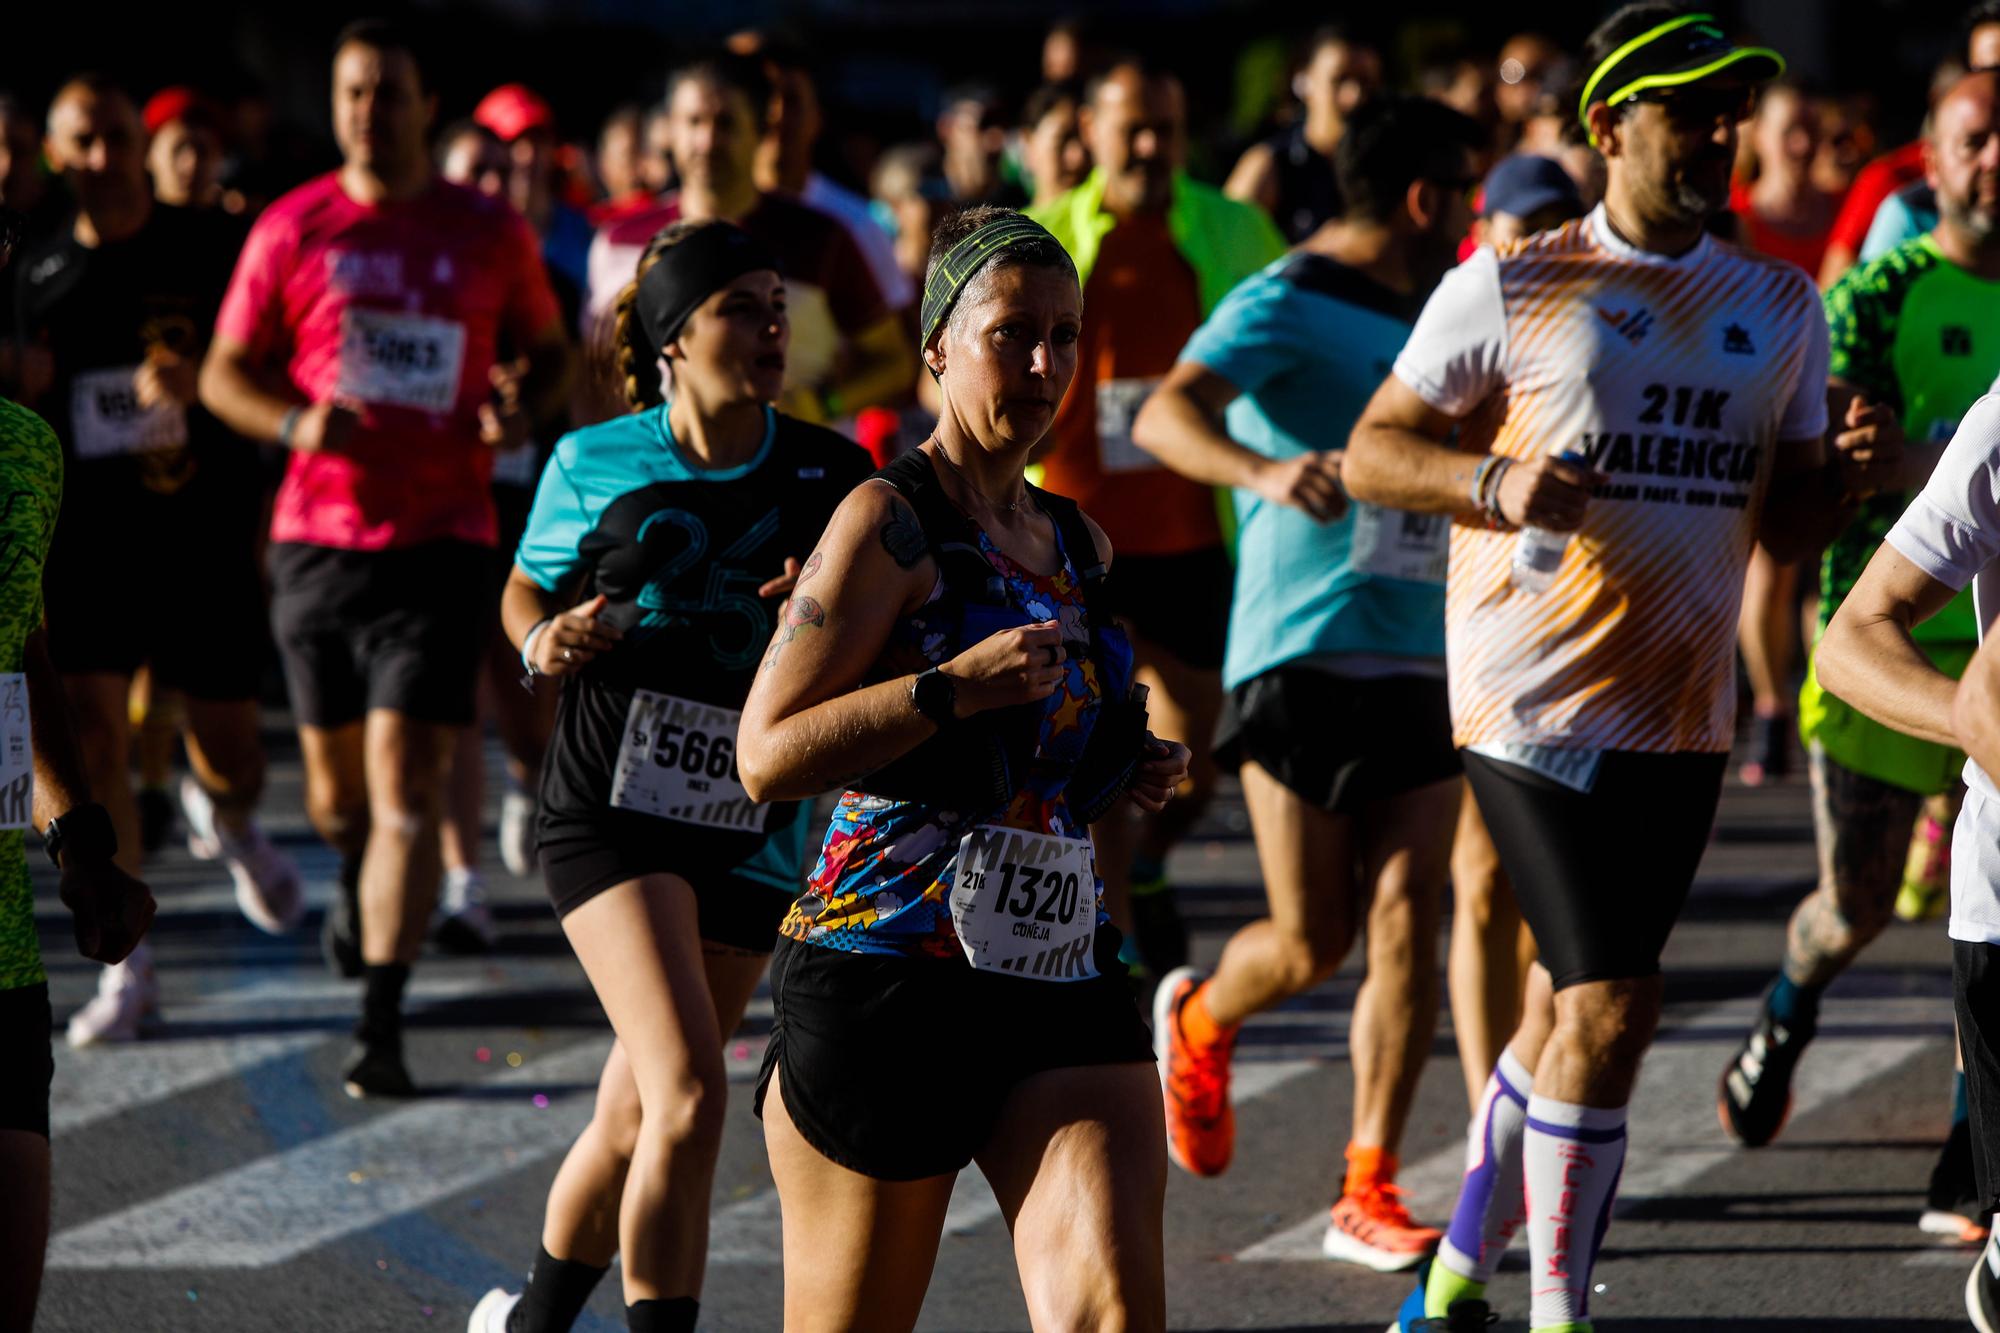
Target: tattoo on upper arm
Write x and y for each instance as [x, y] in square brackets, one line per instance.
[810, 568]
[799, 613]
[903, 537]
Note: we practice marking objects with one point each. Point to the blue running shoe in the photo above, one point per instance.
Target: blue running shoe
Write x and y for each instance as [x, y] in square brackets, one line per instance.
[1467, 1316]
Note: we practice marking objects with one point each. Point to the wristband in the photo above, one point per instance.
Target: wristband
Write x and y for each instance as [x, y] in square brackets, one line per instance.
[288, 424]
[1486, 487]
[528, 644]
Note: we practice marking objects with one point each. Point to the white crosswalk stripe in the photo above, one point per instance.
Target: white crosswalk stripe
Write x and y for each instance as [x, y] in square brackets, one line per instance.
[281, 1206]
[1675, 1136]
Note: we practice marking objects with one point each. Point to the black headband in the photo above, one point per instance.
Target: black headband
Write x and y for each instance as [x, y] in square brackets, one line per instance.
[690, 271]
[1685, 49]
[950, 274]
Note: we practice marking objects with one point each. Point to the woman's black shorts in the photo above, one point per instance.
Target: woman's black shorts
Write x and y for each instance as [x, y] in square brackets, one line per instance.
[898, 1068]
[735, 878]
[1337, 742]
[1601, 875]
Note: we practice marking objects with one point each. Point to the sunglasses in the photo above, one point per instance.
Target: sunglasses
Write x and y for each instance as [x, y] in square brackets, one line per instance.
[1689, 109]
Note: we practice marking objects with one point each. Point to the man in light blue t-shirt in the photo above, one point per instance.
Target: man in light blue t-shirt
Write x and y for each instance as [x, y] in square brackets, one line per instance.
[1335, 713]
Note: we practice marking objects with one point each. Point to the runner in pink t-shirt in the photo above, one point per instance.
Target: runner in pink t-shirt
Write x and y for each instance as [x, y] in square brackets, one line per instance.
[361, 331]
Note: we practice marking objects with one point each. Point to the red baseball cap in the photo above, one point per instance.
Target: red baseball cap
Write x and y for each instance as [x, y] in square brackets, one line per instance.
[169, 105]
[513, 109]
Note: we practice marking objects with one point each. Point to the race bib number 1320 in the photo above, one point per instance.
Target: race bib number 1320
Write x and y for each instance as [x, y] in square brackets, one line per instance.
[1026, 903]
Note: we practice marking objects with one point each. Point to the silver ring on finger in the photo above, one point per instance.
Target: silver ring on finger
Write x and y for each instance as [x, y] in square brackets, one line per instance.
[568, 656]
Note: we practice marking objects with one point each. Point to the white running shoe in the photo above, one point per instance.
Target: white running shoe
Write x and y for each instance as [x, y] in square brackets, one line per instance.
[463, 924]
[268, 891]
[490, 1315]
[517, 832]
[127, 993]
[198, 811]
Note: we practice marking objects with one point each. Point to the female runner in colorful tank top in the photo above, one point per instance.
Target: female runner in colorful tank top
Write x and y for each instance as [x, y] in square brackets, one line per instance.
[647, 580]
[947, 990]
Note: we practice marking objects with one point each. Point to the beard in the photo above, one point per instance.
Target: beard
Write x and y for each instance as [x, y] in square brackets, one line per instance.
[1965, 212]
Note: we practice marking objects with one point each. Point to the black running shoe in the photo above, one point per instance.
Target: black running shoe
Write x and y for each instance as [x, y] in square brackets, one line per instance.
[1982, 1291]
[1157, 928]
[376, 1070]
[1951, 1204]
[1755, 1095]
[156, 817]
[340, 933]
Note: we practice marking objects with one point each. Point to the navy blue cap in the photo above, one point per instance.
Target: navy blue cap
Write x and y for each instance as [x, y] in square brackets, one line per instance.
[1523, 185]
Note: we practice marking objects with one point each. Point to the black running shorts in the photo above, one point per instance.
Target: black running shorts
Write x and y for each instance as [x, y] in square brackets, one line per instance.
[1178, 602]
[580, 861]
[1339, 743]
[28, 1058]
[1975, 990]
[1601, 875]
[403, 629]
[898, 1068]
[173, 587]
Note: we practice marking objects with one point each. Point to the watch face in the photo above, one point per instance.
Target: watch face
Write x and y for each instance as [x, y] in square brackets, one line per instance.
[934, 694]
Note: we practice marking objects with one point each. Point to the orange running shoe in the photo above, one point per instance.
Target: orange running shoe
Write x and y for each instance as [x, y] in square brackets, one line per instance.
[1371, 1227]
[1201, 1124]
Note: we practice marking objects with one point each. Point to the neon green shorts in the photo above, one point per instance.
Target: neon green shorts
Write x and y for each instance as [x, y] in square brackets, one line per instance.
[1863, 745]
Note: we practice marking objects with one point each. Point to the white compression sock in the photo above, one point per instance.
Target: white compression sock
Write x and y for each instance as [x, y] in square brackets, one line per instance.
[1572, 1157]
[1490, 1202]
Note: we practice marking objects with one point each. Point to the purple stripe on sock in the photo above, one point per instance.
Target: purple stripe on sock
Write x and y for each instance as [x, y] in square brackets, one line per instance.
[1467, 1230]
[1597, 1243]
[1577, 1134]
[1500, 1076]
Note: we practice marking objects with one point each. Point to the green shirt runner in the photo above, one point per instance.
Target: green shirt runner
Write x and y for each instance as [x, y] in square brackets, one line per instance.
[1919, 334]
[31, 475]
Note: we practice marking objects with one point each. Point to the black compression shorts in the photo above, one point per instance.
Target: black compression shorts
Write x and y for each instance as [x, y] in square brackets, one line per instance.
[403, 629]
[26, 1055]
[1339, 743]
[1975, 987]
[1602, 875]
[898, 1068]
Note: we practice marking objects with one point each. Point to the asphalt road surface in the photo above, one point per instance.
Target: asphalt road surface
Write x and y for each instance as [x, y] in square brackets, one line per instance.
[213, 1176]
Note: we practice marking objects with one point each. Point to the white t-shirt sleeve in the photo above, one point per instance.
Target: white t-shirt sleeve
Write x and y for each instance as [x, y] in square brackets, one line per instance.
[1951, 530]
[1454, 356]
[1805, 414]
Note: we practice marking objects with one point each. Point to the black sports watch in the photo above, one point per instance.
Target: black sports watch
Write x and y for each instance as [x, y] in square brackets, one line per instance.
[934, 694]
[86, 828]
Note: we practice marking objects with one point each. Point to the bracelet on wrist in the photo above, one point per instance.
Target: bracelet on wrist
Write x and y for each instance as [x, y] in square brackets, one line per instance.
[1486, 487]
[289, 424]
[528, 644]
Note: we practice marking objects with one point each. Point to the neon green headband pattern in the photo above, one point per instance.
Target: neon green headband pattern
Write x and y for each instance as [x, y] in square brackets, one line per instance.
[950, 274]
[1670, 79]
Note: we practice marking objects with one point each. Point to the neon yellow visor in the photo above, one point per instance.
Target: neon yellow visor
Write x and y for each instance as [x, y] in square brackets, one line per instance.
[1681, 51]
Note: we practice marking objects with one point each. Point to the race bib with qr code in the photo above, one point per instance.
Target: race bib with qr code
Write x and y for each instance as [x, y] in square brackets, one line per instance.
[1394, 544]
[1026, 903]
[678, 761]
[391, 358]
